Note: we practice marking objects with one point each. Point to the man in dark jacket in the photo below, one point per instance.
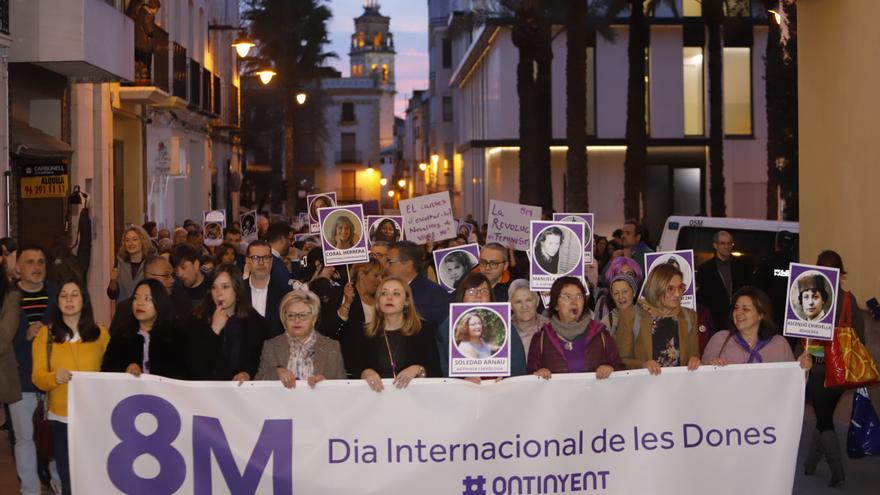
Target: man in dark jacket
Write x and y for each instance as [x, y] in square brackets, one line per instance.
[432, 301]
[719, 278]
[266, 293]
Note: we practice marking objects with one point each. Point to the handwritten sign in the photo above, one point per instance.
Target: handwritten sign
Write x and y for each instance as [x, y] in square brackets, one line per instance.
[509, 223]
[428, 217]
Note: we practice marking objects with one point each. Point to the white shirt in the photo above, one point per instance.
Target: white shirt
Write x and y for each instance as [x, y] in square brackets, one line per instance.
[258, 299]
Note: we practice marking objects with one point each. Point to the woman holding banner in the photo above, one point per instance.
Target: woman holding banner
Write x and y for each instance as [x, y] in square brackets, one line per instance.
[71, 342]
[754, 337]
[622, 292]
[300, 352]
[572, 342]
[148, 342]
[358, 309]
[658, 332]
[226, 334]
[525, 319]
[399, 344]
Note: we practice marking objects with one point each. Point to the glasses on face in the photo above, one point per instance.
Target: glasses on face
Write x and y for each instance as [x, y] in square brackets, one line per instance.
[675, 290]
[261, 259]
[571, 297]
[477, 291]
[304, 316]
[491, 264]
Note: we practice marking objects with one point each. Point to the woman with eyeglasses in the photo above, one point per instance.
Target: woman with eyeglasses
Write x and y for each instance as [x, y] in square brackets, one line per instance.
[300, 353]
[572, 341]
[474, 288]
[658, 332]
[226, 333]
[398, 344]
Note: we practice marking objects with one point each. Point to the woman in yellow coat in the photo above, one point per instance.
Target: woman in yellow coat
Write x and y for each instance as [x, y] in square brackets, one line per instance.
[657, 332]
[71, 342]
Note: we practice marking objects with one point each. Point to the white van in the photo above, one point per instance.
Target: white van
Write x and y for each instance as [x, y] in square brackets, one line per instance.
[753, 240]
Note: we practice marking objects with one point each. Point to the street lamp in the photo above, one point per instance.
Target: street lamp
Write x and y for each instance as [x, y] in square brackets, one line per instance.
[391, 193]
[301, 97]
[266, 74]
[370, 169]
[383, 181]
[401, 183]
[423, 166]
[243, 45]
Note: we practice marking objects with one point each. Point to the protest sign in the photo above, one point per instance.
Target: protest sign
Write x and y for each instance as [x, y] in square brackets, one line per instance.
[316, 202]
[810, 308]
[452, 264]
[428, 217]
[587, 219]
[631, 433]
[213, 223]
[342, 235]
[248, 223]
[387, 228]
[509, 224]
[684, 261]
[465, 229]
[557, 250]
[479, 339]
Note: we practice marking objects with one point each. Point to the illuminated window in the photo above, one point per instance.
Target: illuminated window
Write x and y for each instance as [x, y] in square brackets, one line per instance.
[385, 72]
[377, 40]
[373, 68]
[738, 90]
[693, 90]
[691, 8]
[361, 39]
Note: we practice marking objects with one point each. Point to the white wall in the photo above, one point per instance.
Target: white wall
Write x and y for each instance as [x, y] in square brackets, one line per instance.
[611, 78]
[666, 82]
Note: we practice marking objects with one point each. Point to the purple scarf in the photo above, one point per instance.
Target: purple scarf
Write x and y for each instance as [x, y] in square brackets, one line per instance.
[754, 356]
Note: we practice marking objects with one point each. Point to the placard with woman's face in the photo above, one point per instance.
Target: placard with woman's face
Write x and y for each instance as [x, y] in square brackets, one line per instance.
[342, 235]
[556, 250]
[587, 219]
[810, 309]
[452, 264]
[386, 228]
[479, 339]
[315, 202]
[684, 261]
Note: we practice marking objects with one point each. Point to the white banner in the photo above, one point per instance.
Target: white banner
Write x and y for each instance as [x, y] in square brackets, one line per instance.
[731, 430]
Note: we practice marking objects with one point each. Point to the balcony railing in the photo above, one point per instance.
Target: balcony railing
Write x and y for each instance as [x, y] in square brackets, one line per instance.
[180, 81]
[347, 157]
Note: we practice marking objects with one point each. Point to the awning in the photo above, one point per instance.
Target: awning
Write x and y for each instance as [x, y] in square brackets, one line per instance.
[29, 142]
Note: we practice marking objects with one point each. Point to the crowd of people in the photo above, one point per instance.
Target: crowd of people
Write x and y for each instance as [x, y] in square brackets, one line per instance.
[271, 309]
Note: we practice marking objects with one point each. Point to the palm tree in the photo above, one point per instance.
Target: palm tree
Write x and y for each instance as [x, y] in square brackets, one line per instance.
[713, 16]
[531, 35]
[782, 116]
[577, 177]
[291, 34]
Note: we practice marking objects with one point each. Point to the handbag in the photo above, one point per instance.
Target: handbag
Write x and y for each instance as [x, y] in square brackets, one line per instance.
[863, 437]
[848, 363]
[42, 432]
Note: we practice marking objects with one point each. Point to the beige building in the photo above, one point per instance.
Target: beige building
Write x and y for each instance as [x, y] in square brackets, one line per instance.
[837, 118]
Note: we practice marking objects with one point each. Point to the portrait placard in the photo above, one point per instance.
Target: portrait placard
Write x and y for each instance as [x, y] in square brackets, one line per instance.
[213, 223]
[248, 223]
[454, 263]
[509, 224]
[479, 339]
[342, 235]
[811, 301]
[684, 261]
[316, 202]
[588, 220]
[428, 217]
[556, 250]
[387, 228]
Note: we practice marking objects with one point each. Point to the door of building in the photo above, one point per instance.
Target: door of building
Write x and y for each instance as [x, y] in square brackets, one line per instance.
[671, 190]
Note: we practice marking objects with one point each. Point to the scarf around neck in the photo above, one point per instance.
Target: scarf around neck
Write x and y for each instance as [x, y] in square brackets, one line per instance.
[570, 331]
[302, 356]
[754, 354]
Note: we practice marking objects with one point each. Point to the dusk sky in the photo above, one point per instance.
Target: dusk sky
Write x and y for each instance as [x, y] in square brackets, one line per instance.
[409, 25]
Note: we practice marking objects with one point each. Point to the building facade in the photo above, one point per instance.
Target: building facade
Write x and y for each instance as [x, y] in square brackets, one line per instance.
[153, 140]
[485, 114]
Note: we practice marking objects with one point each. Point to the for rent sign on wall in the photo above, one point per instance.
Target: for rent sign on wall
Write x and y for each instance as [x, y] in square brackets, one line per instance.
[677, 433]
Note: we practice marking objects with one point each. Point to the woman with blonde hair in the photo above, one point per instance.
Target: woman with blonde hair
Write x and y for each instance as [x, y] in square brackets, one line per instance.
[658, 332]
[358, 309]
[399, 344]
[134, 248]
[300, 353]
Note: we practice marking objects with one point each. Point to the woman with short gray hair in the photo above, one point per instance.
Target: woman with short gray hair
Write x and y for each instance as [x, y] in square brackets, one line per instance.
[524, 315]
[300, 353]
